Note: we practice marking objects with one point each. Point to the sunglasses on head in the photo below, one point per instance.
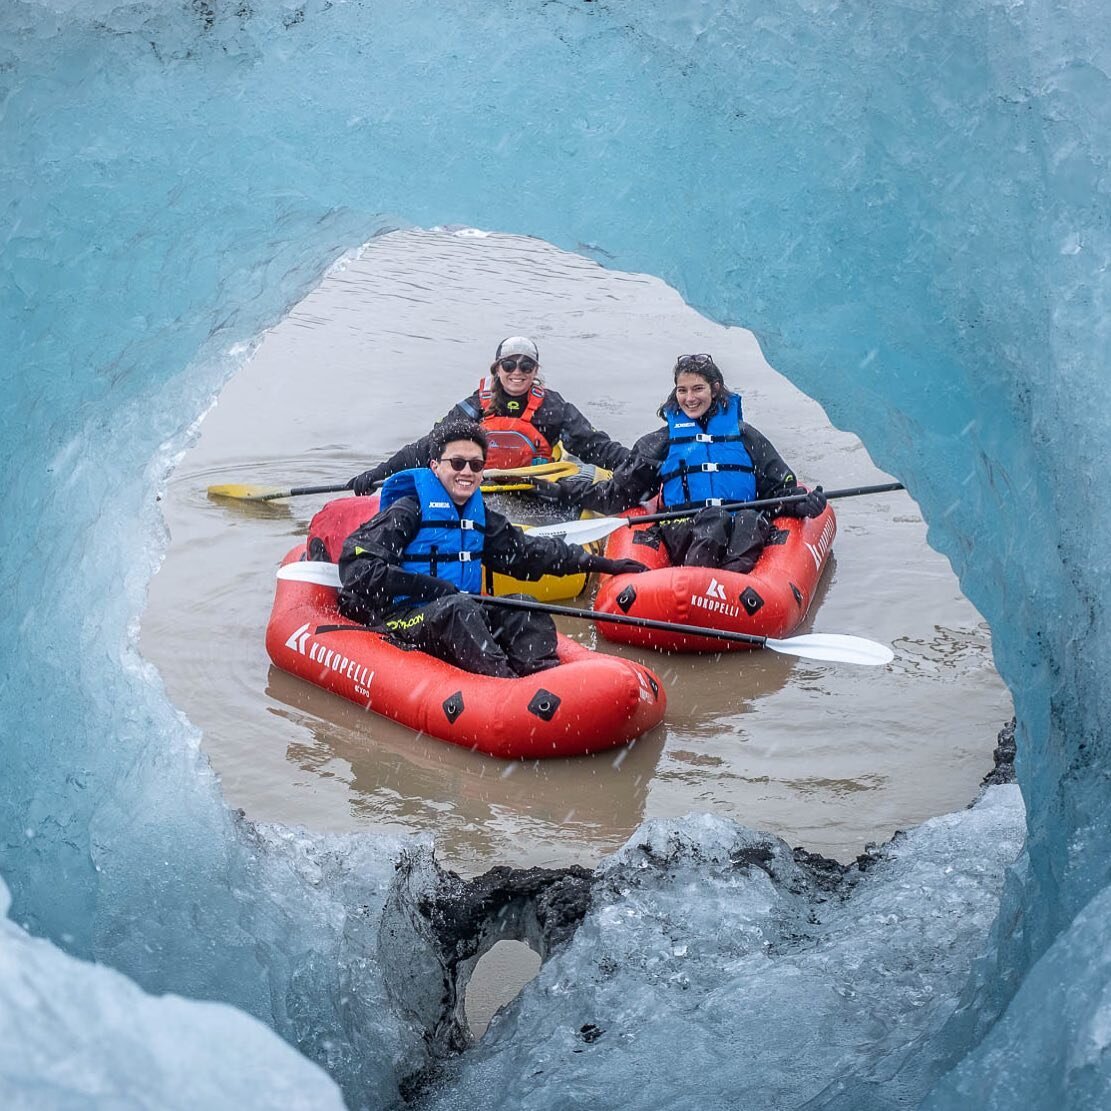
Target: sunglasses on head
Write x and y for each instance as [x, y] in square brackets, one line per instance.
[457, 463]
[685, 361]
[517, 362]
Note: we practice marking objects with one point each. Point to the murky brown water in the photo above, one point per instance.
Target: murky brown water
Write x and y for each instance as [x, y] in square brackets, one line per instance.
[828, 756]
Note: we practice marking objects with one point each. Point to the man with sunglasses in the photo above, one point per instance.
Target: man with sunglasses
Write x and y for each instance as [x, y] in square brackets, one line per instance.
[705, 454]
[415, 566]
[523, 419]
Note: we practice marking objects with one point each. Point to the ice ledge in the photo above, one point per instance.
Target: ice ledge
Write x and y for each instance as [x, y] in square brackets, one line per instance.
[81, 1034]
[708, 958]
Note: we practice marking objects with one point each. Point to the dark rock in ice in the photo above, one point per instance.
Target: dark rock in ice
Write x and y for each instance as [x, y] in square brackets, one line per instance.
[1004, 770]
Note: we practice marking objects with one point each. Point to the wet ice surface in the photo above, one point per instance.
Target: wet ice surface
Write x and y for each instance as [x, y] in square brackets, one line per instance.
[302, 917]
[715, 970]
[76, 1034]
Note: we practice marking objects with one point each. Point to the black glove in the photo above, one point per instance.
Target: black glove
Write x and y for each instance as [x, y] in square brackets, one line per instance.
[565, 492]
[366, 482]
[614, 566]
[811, 505]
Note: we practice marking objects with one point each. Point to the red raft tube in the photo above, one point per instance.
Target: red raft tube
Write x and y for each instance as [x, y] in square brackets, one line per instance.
[771, 601]
[589, 703]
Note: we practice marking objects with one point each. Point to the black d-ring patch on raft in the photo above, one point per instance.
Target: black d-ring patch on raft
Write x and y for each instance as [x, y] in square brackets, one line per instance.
[626, 598]
[544, 704]
[649, 537]
[797, 593]
[453, 707]
[653, 684]
[778, 536]
[751, 600]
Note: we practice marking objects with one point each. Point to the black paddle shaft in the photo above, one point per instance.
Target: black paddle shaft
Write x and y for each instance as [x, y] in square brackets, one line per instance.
[297, 491]
[850, 492]
[339, 488]
[620, 619]
[583, 615]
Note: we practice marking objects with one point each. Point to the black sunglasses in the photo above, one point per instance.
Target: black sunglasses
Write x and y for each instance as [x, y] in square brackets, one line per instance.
[513, 362]
[694, 360]
[457, 463]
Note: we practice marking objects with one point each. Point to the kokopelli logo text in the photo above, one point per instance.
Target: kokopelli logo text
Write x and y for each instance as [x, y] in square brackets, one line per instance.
[818, 551]
[301, 641]
[715, 599]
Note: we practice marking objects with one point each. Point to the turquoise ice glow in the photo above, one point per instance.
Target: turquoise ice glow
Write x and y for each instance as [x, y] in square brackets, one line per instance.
[907, 203]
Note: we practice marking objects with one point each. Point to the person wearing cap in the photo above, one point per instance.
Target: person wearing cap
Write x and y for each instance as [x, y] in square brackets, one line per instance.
[523, 420]
[415, 567]
[705, 455]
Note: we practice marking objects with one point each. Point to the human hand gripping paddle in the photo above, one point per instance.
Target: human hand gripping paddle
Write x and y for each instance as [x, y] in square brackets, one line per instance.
[494, 478]
[589, 529]
[834, 647]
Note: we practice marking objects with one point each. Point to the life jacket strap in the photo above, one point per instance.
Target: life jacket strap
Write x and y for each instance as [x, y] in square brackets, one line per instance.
[705, 438]
[704, 504]
[433, 555]
[464, 523]
[707, 468]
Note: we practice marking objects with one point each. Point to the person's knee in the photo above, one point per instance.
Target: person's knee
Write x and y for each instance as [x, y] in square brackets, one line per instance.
[711, 515]
[447, 611]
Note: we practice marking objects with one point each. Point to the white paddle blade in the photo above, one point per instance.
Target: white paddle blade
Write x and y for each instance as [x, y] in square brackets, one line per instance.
[311, 571]
[581, 532]
[836, 647]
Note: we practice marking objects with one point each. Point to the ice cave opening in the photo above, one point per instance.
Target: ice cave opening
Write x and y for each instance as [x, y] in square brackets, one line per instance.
[906, 206]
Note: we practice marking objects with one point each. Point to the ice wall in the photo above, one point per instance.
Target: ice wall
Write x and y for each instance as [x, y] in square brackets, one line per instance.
[906, 202]
[82, 1035]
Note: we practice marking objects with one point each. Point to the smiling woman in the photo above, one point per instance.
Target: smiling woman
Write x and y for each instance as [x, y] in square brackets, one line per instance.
[525, 422]
[706, 457]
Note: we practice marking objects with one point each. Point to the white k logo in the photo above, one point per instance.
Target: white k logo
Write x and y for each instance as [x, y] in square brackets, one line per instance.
[297, 640]
[715, 590]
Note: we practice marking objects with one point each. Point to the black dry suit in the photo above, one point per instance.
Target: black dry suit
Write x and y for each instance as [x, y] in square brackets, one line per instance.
[383, 570]
[552, 417]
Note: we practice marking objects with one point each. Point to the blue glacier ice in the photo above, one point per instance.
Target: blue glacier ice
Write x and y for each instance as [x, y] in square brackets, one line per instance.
[83, 1035]
[907, 203]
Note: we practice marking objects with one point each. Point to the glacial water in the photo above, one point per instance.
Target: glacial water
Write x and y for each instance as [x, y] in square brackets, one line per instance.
[906, 204]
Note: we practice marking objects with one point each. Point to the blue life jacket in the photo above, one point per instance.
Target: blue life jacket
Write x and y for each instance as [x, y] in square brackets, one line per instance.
[706, 466]
[449, 542]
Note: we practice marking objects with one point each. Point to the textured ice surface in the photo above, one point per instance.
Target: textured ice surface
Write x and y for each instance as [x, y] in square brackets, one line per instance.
[82, 1035]
[908, 204]
[716, 972]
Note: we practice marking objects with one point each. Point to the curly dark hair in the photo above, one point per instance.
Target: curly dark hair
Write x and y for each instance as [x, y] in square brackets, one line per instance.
[450, 431]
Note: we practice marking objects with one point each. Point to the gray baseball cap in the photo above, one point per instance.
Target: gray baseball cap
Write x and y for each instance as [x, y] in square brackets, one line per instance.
[517, 345]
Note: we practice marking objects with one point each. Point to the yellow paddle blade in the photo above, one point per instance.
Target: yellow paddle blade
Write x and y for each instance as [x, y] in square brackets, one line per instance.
[510, 486]
[242, 490]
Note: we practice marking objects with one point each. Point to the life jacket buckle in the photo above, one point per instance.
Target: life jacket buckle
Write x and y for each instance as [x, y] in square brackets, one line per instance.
[703, 438]
[709, 468]
[466, 523]
[715, 501]
[466, 557]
